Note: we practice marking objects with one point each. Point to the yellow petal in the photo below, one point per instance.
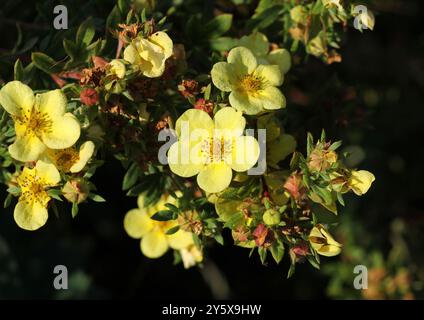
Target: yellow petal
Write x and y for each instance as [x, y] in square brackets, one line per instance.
[361, 181]
[17, 98]
[131, 54]
[180, 240]
[30, 216]
[243, 60]
[224, 76]
[229, 122]
[245, 103]
[245, 153]
[85, 154]
[47, 172]
[117, 68]
[280, 57]
[27, 148]
[164, 41]
[194, 120]
[329, 250]
[272, 98]
[270, 73]
[137, 223]
[256, 42]
[215, 177]
[63, 133]
[154, 244]
[184, 159]
[52, 103]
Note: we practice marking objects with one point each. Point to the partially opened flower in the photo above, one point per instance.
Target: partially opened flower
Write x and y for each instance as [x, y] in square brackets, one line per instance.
[253, 86]
[149, 54]
[211, 149]
[323, 242]
[117, 67]
[41, 122]
[154, 240]
[70, 159]
[31, 211]
[191, 256]
[360, 181]
[258, 43]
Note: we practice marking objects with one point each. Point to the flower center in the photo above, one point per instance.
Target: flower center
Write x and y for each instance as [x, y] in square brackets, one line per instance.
[64, 159]
[33, 190]
[251, 83]
[215, 150]
[36, 123]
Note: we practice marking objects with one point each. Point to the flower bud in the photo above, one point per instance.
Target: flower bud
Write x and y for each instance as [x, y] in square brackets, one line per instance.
[76, 191]
[271, 217]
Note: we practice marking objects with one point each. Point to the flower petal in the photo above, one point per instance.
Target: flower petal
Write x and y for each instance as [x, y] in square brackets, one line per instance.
[27, 148]
[270, 74]
[180, 239]
[137, 223]
[85, 154]
[131, 54]
[184, 159]
[272, 98]
[280, 148]
[224, 76]
[197, 121]
[47, 172]
[164, 41]
[245, 153]
[52, 103]
[245, 103]
[230, 121]
[256, 42]
[215, 177]
[361, 181]
[154, 244]
[280, 57]
[243, 60]
[63, 133]
[17, 98]
[30, 216]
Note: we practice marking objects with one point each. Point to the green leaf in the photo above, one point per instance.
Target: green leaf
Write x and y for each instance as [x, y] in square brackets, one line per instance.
[173, 230]
[130, 177]
[85, 33]
[262, 254]
[45, 63]
[7, 201]
[75, 209]
[164, 215]
[313, 262]
[309, 144]
[96, 197]
[55, 194]
[292, 269]
[219, 238]
[335, 145]
[71, 49]
[171, 207]
[223, 43]
[19, 71]
[277, 251]
[219, 25]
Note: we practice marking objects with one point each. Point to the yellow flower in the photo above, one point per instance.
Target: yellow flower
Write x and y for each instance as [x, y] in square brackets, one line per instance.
[117, 68]
[40, 121]
[258, 43]
[360, 181]
[252, 85]
[154, 240]
[70, 159]
[149, 55]
[31, 211]
[323, 242]
[211, 149]
[332, 3]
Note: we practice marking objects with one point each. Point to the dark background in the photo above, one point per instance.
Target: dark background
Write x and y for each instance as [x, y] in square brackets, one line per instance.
[373, 101]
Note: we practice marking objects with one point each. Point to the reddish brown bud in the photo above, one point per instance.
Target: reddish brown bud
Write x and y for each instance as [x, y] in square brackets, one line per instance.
[89, 97]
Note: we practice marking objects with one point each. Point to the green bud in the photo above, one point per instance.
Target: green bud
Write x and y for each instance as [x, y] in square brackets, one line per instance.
[271, 217]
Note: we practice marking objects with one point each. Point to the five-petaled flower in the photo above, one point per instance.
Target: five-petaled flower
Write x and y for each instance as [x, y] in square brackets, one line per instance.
[149, 54]
[154, 240]
[41, 122]
[211, 149]
[31, 211]
[253, 86]
[70, 159]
